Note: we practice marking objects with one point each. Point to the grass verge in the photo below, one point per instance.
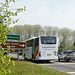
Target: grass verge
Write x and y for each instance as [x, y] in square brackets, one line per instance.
[28, 68]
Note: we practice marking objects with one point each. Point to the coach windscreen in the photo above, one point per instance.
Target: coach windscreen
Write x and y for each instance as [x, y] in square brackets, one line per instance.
[48, 40]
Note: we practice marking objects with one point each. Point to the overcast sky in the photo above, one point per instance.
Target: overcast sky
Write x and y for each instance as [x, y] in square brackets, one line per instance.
[56, 13]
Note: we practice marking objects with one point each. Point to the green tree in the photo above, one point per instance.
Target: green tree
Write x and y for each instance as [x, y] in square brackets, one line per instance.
[28, 31]
[73, 38]
[69, 45]
[64, 34]
[19, 30]
[37, 30]
[5, 21]
[48, 30]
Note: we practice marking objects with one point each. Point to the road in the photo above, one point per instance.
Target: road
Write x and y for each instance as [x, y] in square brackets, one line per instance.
[68, 67]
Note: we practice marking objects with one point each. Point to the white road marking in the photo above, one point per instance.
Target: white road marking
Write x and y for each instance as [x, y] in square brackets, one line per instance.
[71, 72]
[57, 64]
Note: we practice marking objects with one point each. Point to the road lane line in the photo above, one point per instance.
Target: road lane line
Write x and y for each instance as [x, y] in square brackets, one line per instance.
[46, 64]
[71, 72]
[57, 64]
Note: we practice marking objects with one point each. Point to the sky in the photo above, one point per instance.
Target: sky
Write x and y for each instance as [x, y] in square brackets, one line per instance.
[56, 13]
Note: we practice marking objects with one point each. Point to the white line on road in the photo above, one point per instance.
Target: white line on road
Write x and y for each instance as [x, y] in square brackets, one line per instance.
[57, 64]
[71, 72]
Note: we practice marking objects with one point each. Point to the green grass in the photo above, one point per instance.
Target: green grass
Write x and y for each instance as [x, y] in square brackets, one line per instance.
[28, 68]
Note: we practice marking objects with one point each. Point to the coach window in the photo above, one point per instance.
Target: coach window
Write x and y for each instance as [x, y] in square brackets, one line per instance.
[37, 42]
[30, 43]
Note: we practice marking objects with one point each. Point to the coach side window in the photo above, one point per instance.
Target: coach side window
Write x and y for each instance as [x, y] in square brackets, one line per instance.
[30, 43]
[37, 42]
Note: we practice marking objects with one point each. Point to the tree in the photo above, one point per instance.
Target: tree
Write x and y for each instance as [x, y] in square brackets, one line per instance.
[5, 21]
[19, 30]
[73, 37]
[37, 30]
[69, 45]
[55, 31]
[48, 30]
[27, 31]
[64, 34]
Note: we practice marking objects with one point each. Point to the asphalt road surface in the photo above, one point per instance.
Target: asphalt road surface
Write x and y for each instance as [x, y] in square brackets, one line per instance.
[68, 67]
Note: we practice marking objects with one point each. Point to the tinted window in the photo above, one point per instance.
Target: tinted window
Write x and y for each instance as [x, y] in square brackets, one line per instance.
[48, 40]
[36, 42]
[65, 52]
[29, 43]
[72, 52]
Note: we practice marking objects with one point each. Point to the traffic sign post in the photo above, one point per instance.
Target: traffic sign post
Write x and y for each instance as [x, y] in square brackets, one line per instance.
[13, 37]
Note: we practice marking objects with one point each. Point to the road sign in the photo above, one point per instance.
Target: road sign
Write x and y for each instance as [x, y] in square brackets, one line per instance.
[14, 45]
[13, 37]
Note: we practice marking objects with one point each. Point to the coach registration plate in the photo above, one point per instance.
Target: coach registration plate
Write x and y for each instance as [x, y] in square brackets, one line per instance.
[48, 54]
[73, 56]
